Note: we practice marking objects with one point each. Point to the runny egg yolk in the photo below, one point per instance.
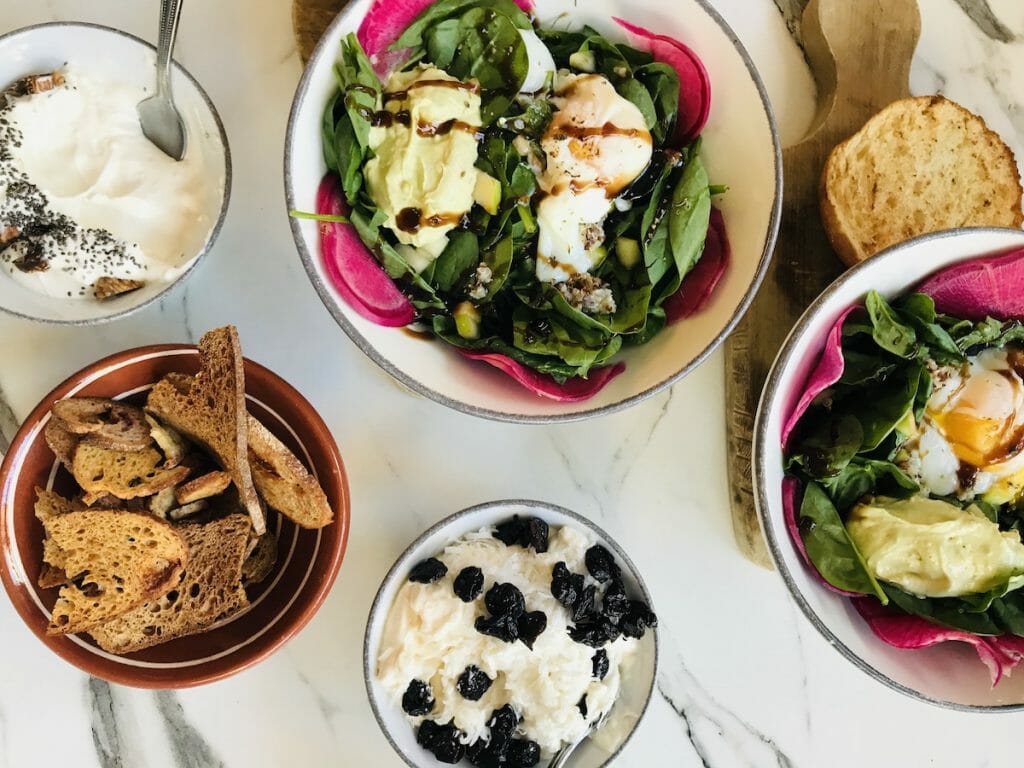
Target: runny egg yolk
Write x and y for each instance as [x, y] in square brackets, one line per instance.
[983, 420]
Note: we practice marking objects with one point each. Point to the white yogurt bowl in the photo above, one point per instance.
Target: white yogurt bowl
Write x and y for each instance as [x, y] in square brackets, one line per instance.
[949, 674]
[103, 53]
[637, 680]
[741, 149]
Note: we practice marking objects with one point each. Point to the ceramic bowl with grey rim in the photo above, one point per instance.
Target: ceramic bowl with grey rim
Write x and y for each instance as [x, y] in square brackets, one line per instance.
[740, 149]
[949, 674]
[637, 677]
[112, 55]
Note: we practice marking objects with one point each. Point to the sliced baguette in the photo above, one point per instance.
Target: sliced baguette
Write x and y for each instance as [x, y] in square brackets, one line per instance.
[212, 411]
[210, 590]
[202, 487]
[124, 474]
[920, 165]
[116, 561]
[283, 482]
[106, 423]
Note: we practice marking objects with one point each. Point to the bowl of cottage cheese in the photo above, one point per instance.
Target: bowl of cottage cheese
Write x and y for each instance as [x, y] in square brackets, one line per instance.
[95, 221]
[507, 632]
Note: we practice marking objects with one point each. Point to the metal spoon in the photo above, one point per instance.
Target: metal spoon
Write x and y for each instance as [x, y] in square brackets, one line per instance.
[562, 756]
[161, 122]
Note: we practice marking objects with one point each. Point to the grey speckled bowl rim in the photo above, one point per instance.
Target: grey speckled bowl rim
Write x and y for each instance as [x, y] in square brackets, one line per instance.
[332, 303]
[214, 232]
[402, 563]
[782, 362]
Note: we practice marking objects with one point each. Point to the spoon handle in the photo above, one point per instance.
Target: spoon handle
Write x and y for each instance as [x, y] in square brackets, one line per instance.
[170, 13]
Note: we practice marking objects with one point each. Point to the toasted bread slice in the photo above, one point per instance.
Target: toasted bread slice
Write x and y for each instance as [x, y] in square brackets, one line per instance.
[117, 561]
[283, 482]
[106, 423]
[210, 590]
[261, 559]
[920, 165]
[108, 287]
[124, 474]
[212, 411]
[51, 504]
[172, 445]
[61, 441]
[202, 487]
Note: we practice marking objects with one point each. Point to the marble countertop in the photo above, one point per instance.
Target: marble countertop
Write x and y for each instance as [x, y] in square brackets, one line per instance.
[745, 680]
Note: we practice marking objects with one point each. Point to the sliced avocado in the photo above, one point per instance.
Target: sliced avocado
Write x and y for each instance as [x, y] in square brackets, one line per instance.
[487, 193]
[467, 320]
[628, 251]
[597, 256]
[584, 61]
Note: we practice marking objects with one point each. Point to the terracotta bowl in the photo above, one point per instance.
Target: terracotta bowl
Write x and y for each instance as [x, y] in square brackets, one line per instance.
[281, 605]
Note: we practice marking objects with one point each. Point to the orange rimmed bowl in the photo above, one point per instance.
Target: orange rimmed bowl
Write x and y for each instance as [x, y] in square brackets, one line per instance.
[281, 605]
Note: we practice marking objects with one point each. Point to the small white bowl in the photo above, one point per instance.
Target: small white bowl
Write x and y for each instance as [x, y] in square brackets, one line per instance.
[110, 53]
[637, 687]
[741, 148]
[949, 674]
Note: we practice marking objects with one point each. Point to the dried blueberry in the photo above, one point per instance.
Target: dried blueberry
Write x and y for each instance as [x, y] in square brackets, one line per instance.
[584, 605]
[473, 683]
[531, 625]
[615, 603]
[443, 741]
[428, 571]
[637, 620]
[592, 633]
[537, 535]
[581, 705]
[565, 585]
[600, 662]
[503, 721]
[511, 532]
[469, 584]
[505, 600]
[601, 564]
[417, 699]
[482, 754]
[523, 753]
[504, 628]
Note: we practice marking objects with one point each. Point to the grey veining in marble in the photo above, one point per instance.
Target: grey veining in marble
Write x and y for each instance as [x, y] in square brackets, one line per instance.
[187, 743]
[980, 12]
[106, 735]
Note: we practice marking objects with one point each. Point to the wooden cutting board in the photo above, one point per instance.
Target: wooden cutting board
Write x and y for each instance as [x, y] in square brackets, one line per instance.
[859, 52]
[310, 18]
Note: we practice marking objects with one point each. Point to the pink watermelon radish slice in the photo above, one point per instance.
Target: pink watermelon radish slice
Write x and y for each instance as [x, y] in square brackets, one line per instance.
[900, 630]
[351, 268]
[694, 82]
[385, 22]
[825, 374]
[698, 286]
[572, 391]
[977, 289]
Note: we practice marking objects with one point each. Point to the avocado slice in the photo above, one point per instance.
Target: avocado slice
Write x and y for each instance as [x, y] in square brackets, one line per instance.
[487, 193]
[628, 251]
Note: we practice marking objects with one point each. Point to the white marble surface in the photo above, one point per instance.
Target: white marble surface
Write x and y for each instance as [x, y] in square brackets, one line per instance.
[745, 680]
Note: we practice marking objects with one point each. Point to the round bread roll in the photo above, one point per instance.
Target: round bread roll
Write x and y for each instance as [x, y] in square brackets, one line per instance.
[920, 165]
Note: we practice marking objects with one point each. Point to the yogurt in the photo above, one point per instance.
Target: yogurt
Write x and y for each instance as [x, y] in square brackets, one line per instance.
[430, 636]
[84, 194]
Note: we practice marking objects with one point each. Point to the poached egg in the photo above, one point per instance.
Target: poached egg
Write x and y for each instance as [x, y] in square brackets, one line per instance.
[596, 145]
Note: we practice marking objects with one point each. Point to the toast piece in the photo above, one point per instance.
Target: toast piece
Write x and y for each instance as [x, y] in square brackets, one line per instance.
[117, 561]
[106, 423]
[61, 441]
[261, 559]
[210, 590]
[50, 504]
[283, 482]
[920, 165]
[202, 487]
[124, 474]
[171, 444]
[212, 412]
[108, 287]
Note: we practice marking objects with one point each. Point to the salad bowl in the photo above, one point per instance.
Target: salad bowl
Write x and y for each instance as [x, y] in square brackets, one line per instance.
[740, 150]
[639, 674]
[945, 673]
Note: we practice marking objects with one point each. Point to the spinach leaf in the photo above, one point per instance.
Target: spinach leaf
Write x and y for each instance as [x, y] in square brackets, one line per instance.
[688, 219]
[549, 334]
[532, 121]
[947, 611]
[327, 129]
[830, 547]
[523, 182]
[862, 477]
[880, 408]
[919, 312]
[828, 447]
[360, 87]
[460, 256]
[499, 259]
[864, 368]
[349, 158]
[889, 333]
[1008, 612]
[662, 83]
[445, 9]
[652, 327]
[634, 91]
[483, 44]
[654, 232]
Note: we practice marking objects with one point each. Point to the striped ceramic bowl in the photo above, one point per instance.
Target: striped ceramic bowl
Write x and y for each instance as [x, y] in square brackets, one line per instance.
[281, 605]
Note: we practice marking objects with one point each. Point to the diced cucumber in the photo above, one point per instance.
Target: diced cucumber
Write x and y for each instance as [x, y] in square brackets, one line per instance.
[597, 256]
[467, 320]
[584, 61]
[487, 193]
[526, 216]
[628, 252]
